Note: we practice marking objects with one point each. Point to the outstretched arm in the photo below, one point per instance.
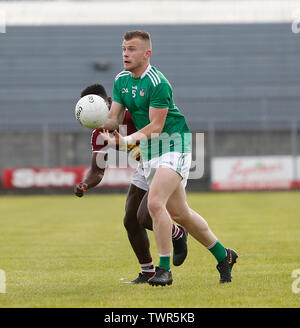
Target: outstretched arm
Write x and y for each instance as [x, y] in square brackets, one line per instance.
[157, 118]
[94, 174]
[115, 117]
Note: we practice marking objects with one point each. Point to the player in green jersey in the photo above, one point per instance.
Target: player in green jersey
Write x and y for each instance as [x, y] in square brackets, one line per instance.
[152, 89]
[164, 139]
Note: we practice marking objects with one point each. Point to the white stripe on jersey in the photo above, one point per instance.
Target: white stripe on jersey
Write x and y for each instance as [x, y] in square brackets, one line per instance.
[123, 73]
[154, 77]
[155, 74]
[154, 83]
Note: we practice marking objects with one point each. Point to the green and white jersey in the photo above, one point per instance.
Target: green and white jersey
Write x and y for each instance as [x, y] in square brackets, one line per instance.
[152, 89]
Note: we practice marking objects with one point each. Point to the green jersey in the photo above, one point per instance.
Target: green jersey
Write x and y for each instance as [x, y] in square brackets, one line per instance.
[152, 89]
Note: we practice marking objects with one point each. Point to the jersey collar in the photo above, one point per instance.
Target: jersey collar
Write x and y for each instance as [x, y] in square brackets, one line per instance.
[146, 71]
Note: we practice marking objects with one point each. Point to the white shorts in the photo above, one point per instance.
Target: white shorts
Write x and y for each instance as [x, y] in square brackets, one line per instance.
[179, 162]
[138, 178]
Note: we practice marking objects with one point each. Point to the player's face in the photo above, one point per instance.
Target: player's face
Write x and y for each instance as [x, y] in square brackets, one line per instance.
[135, 54]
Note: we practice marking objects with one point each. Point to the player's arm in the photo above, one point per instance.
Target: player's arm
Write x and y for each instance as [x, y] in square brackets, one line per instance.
[158, 110]
[115, 116]
[160, 98]
[119, 144]
[117, 109]
[157, 117]
[93, 176]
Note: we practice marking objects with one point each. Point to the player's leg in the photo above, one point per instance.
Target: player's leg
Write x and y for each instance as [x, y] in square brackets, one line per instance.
[143, 215]
[179, 234]
[164, 183]
[137, 234]
[178, 207]
[192, 221]
[157, 201]
[199, 229]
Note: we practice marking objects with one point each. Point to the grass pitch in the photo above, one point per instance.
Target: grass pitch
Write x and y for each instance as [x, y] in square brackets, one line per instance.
[62, 251]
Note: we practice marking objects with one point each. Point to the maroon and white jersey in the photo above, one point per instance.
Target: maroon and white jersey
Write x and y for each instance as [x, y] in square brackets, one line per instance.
[98, 145]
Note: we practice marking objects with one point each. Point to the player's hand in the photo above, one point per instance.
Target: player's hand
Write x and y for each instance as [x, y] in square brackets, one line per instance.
[109, 139]
[116, 141]
[120, 140]
[80, 189]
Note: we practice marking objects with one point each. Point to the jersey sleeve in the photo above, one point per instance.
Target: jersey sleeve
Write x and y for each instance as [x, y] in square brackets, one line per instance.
[161, 96]
[97, 142]
[129, 123]
[117, 92]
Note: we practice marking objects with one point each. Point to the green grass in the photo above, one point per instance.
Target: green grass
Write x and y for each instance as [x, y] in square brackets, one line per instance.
[62, 251]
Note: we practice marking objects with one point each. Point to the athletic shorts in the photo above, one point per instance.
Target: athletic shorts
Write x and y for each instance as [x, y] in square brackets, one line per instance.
[138, 178]
[179, 162]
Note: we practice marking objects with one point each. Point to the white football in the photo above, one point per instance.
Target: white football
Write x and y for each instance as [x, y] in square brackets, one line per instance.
[91, 111]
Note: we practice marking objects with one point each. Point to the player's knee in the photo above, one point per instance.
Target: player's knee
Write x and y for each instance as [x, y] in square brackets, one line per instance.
[130, 222]
[140, 216]
[126, 222]
[155, 206]
[181, 217]
[144, 218]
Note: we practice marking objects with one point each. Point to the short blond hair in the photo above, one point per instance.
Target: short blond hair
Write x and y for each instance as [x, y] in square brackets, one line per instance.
[143, 35]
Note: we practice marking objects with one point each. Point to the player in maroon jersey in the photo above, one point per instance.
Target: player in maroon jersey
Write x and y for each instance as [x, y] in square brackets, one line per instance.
[137, 218]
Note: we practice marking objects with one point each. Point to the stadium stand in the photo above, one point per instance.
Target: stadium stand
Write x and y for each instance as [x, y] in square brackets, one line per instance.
[231, 72]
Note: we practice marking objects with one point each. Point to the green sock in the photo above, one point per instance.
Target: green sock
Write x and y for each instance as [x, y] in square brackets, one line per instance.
[164, 261]
[218, 251]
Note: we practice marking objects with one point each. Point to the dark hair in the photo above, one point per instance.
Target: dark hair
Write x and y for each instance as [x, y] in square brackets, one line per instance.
[95, 89]
[137, 34]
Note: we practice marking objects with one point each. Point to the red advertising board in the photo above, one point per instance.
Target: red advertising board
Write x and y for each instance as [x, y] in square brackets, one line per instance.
[60, 177]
